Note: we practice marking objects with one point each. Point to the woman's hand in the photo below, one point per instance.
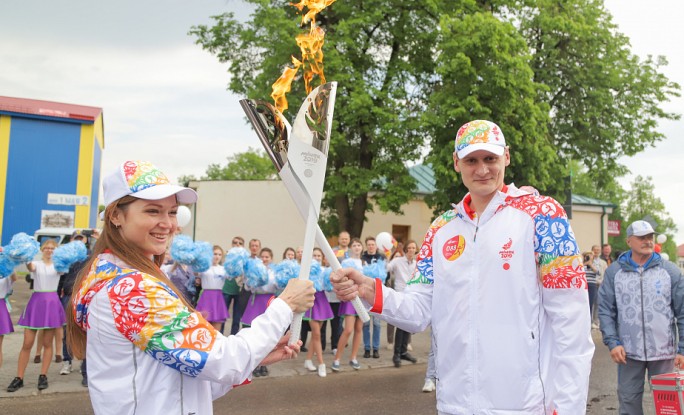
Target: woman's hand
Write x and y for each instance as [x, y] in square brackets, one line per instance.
[299, 295]
[282, 351]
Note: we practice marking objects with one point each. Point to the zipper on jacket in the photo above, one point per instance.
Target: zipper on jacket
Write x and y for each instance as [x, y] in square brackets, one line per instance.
[643, 318]
[181, 393]
[477, 227]
[135, 374]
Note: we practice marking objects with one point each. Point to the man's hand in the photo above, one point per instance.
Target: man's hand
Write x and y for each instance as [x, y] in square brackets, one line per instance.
[620, 357]
[348, 283]
[679, 362]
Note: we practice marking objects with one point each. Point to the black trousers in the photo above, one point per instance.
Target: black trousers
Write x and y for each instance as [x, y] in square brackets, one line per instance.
[335, 327]
[401, 339]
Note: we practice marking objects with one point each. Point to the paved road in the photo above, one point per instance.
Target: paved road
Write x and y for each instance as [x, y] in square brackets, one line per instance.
[290, 389]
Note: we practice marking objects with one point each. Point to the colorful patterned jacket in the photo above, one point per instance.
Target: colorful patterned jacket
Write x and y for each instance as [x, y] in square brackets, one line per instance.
[507, 299]
[148, 354]
[638, 308]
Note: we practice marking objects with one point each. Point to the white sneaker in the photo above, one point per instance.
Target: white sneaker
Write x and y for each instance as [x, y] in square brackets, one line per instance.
[429, 385]
[66, 368]
[409, 348]
[333, 352]
[308, 364]
[321, 370]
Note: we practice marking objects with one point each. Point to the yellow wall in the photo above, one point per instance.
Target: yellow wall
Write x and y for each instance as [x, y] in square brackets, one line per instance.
[91, 135]
[84, 182]
[5, 122]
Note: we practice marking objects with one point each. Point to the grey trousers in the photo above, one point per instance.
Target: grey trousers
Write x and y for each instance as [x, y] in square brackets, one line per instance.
[631, 382]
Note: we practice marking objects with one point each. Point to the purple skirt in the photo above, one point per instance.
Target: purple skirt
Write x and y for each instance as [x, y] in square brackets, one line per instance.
[212, 306]
[43, 311]
[346, 309]
[321, 310]
[5, 320]
[256, 306]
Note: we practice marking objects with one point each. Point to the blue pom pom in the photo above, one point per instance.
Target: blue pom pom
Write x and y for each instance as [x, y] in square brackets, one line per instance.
[6, 266]
[327, 284]
[183, 249]
[22, 248]
[235, 262]
[204, 253]
[285, 271]
[376, 270]
[351, 263]
[68, 254]
[256, 273]
[316, 275]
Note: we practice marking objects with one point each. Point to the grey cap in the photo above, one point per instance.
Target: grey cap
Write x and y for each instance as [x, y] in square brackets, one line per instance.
[639, 228]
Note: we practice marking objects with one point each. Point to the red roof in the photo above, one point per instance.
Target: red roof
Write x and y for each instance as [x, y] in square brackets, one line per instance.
[49, 109]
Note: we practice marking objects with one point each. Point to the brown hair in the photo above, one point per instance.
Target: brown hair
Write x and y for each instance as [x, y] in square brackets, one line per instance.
[112, 240]
[49, 242]
[223, 253]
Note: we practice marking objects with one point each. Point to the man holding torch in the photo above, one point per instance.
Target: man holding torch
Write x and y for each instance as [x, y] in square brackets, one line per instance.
[500, 279]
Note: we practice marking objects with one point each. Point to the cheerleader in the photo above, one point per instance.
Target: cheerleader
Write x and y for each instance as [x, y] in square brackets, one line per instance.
[43, 312]
[6, 326]
[317, 316]
[211, 303]
[351, 321]
[258, 301]
[289, 253]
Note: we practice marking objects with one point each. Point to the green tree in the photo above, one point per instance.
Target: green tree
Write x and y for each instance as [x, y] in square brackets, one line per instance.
[604, 101]
[250, 165]
[641, 203]
[381, 54]
[484, 73]
[185, 179]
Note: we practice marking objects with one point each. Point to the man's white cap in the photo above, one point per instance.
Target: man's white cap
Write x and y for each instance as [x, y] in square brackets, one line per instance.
[639, 228]
[143, 180]
[479, 135]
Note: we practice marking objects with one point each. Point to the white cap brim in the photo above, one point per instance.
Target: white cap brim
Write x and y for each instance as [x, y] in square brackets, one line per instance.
[492, 148]
[184, 195]
[643, 232]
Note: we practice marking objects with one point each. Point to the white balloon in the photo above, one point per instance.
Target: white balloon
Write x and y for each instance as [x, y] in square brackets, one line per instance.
[386, 243]
[183, 216]
[665, 256]
[662, 238]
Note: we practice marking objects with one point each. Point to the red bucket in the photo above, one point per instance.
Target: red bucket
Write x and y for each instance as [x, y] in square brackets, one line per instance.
[667, 393]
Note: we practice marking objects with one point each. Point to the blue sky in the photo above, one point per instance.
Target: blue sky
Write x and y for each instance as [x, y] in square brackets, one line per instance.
[165, 99]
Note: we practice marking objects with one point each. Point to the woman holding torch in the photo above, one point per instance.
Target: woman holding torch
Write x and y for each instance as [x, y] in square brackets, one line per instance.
[148, 351]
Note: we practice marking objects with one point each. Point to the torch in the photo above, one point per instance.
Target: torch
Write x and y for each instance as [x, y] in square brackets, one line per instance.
[309, 146]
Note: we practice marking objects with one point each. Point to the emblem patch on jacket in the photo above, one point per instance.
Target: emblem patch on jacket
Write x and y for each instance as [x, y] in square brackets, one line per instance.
[507, 254]
[453, 248]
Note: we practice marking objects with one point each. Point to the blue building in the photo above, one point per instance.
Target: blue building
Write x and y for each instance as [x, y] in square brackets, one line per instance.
[50, 160]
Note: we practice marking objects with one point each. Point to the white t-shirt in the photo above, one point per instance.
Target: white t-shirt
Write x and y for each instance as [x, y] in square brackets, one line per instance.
[45, 278]
[213, 278]
[5, 287]
[402, 270]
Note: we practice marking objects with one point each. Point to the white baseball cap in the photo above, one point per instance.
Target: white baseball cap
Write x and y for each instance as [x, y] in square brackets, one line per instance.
[479, 135]
[143, 180]
[639, 228]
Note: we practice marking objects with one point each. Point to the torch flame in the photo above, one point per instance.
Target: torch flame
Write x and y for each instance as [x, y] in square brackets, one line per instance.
[314, 6]
[283, 85]
[311, 46]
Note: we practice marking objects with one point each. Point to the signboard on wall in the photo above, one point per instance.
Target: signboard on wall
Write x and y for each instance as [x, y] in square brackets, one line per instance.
[69, 200]
[613, 228]
[56, 219]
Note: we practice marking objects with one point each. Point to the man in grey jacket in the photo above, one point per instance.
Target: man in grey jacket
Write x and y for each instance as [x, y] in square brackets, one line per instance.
[641, 298]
